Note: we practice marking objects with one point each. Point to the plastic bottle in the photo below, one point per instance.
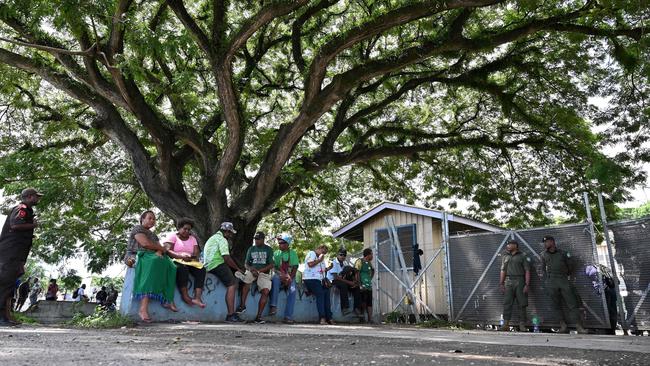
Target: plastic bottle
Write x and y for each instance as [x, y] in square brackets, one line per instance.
[501, 321]
[535, 324]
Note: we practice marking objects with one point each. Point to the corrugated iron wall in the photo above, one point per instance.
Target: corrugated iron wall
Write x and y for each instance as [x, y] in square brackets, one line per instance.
[474, 256]
[632, 253]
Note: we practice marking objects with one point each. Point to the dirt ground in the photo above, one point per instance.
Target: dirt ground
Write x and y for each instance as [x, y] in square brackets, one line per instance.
[307, 344]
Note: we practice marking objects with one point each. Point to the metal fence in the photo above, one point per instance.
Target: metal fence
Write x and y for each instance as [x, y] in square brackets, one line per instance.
[632, 254]
[474, 265]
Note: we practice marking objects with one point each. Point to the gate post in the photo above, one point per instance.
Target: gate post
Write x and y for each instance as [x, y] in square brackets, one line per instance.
[594, 254]
[447, 269]
[612, 264]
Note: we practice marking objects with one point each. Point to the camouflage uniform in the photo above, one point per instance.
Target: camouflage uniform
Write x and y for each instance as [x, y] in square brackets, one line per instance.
[515, 267]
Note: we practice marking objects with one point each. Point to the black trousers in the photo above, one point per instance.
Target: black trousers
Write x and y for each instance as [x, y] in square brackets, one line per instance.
[183, 275]
[8, 275]
[344, 291]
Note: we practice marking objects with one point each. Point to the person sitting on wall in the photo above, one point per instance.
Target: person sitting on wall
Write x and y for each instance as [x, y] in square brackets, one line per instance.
[155, 273]
[217, 260]
[286, 266]
[343, 276]
[183, 247]
[314, 279]
[52, 290]
[259, 263]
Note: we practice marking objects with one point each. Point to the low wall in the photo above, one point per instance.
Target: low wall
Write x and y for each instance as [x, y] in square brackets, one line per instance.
[52, 312]
[215, 311]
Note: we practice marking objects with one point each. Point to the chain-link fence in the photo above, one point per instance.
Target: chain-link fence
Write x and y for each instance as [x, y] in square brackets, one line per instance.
[632, 254]
[475, 262]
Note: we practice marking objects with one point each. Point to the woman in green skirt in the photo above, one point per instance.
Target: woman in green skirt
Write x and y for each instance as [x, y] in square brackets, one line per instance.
[155, 273]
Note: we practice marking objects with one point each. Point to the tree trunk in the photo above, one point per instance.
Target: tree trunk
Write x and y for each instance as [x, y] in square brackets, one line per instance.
[243, 239]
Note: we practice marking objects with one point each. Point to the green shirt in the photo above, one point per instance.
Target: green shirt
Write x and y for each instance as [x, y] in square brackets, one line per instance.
[558, 263]
[365, 273]
[259, 257]
[515, 264]
[290, 257]
[215, 248]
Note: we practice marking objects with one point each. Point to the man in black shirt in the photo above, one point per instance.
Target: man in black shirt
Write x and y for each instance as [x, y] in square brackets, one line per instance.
[15, 243]
[101, 296]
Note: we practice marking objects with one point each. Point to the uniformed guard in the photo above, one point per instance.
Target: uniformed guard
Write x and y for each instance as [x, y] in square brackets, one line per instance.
[15, 243]
[558, 265]
[514, 281]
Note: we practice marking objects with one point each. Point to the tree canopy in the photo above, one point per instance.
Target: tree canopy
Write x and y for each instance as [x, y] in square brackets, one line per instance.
[305, 109]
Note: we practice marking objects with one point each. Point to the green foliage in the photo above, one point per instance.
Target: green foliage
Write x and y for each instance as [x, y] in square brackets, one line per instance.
[395, 317]
[69, 280]
[116, 282]
[408, 113]
[23, 318]
[633, 212]
[35, 270]
[101, 319]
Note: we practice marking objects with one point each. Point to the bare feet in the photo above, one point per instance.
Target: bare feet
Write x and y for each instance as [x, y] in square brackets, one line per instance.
[171, 306]
[198, 302]
[188, 300]
[144, 316]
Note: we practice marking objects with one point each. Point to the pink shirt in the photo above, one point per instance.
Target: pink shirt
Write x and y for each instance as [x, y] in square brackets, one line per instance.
[182, 246]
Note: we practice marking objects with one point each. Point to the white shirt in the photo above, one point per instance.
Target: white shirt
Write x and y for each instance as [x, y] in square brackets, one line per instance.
[316, 272]
[337, 267]
[80, 294]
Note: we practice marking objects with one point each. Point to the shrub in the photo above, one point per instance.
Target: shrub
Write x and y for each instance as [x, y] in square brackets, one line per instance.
[101, 318]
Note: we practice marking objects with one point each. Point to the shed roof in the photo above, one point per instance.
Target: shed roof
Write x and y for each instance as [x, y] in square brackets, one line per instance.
[354, 229]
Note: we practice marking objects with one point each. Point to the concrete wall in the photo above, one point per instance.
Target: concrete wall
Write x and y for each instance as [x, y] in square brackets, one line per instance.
[431, 289]
[51, 312]
[215, 311]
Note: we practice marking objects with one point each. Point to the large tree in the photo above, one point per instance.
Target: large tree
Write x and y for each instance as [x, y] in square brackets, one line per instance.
[230, 110]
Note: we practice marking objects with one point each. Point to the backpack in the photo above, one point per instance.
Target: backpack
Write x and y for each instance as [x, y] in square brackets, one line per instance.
[75, 294]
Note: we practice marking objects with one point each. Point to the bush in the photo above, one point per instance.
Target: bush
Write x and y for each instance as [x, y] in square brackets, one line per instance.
[24, 318]
[101, 318]
[395, 317]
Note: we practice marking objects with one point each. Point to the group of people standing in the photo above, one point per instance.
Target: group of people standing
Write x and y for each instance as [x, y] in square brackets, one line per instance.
[557, 267]
[161, 266]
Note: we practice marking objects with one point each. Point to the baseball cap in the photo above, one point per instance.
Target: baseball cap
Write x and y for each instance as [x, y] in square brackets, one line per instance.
[30, 191]
[285, 237]
[228, 226]
[259, 235]
[548, 237]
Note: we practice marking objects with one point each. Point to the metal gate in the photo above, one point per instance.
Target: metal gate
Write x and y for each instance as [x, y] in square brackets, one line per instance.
[474, 265]
[632, 254]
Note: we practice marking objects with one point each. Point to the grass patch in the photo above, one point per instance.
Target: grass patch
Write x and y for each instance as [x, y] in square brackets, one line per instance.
[395, 317]
[101, 318]
[441, 323]
[23, 318]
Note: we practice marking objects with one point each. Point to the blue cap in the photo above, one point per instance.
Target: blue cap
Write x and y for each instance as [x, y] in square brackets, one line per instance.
[285, 237]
